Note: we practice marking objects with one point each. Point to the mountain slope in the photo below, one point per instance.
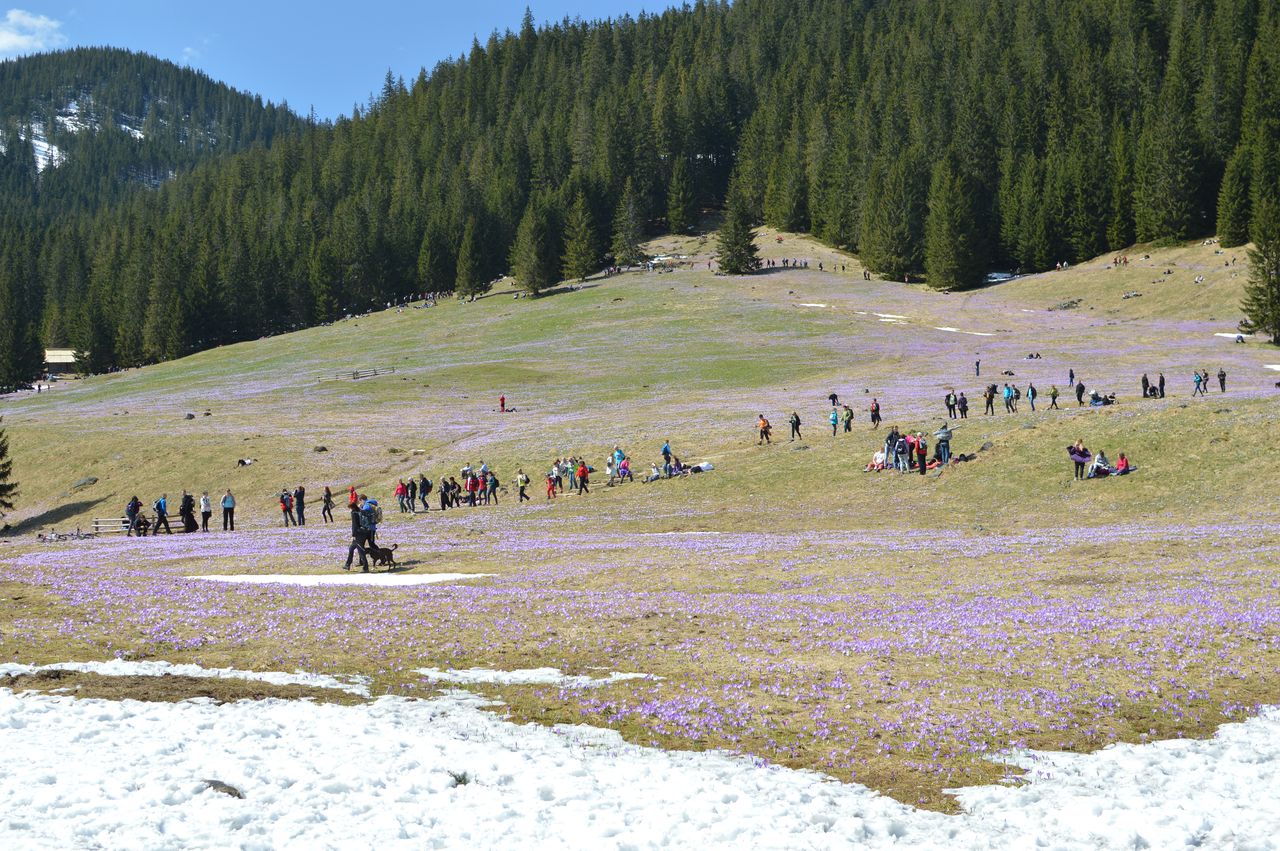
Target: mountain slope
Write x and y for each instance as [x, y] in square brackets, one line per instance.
[80, 128]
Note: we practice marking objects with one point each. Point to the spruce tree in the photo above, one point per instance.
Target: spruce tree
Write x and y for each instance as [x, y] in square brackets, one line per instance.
[469, 280]
[580, 255]
[1233, 200]
[681, 213]
[951, 233]
[627, 229]
[1120, 228]
[1262, 293]
[533, 260]
[893, 216]
[736, 240]
[8, 489]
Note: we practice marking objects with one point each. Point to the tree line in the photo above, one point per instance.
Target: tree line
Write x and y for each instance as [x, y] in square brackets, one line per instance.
[942, 140]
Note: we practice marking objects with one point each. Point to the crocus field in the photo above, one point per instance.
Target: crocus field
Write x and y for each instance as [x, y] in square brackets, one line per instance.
[890, 629]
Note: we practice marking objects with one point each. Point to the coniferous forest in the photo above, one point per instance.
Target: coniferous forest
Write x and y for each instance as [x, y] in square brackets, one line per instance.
[941, 139]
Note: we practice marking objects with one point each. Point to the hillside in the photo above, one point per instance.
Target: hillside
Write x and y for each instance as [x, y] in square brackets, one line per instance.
[942, 142]
[79, 128]
[884, 628]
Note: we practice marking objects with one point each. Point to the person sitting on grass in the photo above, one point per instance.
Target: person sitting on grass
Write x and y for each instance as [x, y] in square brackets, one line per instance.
[1101, 467]
[624, 471]
[877, 462]
[654, 474]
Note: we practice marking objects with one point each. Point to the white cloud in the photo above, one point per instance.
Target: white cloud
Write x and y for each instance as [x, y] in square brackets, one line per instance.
[22, 32]
[190, 54]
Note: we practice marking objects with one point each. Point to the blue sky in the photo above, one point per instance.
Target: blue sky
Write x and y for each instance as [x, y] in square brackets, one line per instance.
[322, 53]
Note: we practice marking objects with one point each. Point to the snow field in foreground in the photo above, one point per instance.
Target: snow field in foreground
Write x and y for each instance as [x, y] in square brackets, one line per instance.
[388, 774]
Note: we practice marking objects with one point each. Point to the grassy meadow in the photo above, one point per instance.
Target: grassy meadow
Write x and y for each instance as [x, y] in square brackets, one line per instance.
[886, 628]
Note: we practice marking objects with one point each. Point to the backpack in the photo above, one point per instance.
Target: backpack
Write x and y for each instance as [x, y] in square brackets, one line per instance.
[155, 506]
[377, 513]
[366, 519]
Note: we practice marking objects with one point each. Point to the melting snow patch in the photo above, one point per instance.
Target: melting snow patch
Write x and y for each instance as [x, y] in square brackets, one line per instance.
[377, 580]
[1232, 336]
[125, 668]
[1275, 366]
[958, 331]
[890, 316]
[813, 305]
[524, 677]
[385, 774]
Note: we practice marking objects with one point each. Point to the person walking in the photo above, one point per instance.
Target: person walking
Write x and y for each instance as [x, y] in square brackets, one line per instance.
[352, 499]
[206, 511]
[413, 494]
[875, 413]
[187, 511]
[491, 493]
[763, 425]
[1053, 397]
[161, 508]
[326, 505]
[359, 537]
[795, 433]
[424, 490]
[583, 474]
[1031, 396]
[1008, 398]
[1199, 385]
[286, 507]
[962, 405]
[552, 475]
[848, 419]
[835, 421]
[522, 485]
[1160, 384]
[1071, 376]
[300, 504]
[977, 369]
[666, 448]
[1080, 394]
[401, 492]
[133, 513]
[228, 512]
[1222, 380]
[989, 399]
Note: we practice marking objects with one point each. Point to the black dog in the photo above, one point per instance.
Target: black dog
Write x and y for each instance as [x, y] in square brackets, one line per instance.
[383, 555]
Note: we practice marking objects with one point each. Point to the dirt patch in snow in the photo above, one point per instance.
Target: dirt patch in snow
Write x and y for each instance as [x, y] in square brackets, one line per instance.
[167, 688]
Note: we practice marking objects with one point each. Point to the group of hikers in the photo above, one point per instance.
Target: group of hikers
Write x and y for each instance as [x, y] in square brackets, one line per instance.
[908, 452]
[136, 520]
[1090, 466]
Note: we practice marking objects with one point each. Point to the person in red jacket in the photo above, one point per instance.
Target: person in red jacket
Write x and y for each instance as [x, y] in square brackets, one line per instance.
[502, 404]
[352, 498]
[583, 472]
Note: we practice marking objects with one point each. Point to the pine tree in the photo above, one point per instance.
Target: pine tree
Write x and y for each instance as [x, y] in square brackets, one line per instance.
[469, 280]
[951, 235]
[681, 213]
[1120, 229]
[893, 216]
[736, 240]
[1262, 293]
[533, 258]
[627, 229]
[8, 489]
[1233, 200]
[580, 256]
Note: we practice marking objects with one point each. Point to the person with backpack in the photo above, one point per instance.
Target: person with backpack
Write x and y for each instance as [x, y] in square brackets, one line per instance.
[848, 419]
[491, 494]
[228, 512]
[522, 484]
[299, 504]
[286, 508]
[161, 508]
[1007, 393]
[206, 511]
[1053, 397]
[133, 513]
[582, 475]
[835, 421]
[371, 516]
[424, 490]
[1031, 396]
[795, 432]
[962, 405]
[359, 536]
[1222, 380]
[553, 475]
[763, 425]
[902, 454]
